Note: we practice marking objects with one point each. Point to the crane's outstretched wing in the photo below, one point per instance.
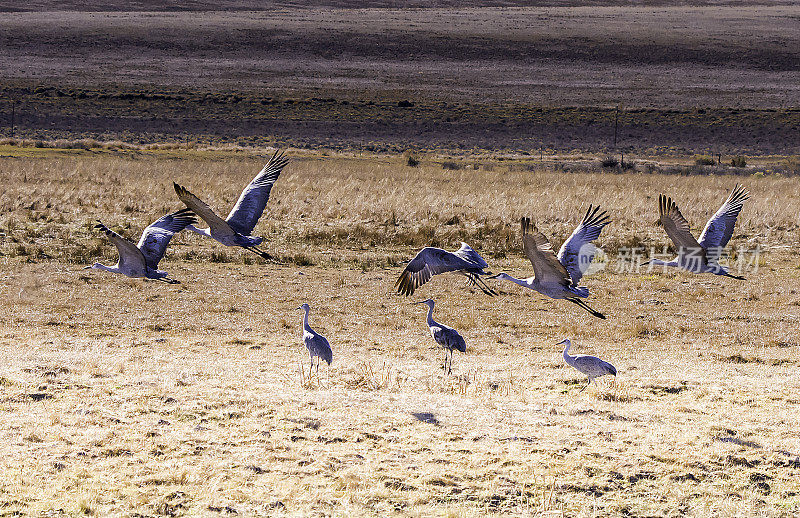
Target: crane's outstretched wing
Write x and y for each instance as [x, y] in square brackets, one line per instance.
[217, 225]
[129, 255]
[155, 238]
[427, 263]
[254, 197]
[677, 228]
[546, 266]
[577, 252]
[719, 228]
[471, 256]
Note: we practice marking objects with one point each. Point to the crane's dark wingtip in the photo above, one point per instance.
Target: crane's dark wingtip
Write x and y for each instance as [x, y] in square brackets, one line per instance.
[404, 286]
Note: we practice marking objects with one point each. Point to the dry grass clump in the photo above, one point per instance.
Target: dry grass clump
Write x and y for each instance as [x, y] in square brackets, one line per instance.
[121, 396]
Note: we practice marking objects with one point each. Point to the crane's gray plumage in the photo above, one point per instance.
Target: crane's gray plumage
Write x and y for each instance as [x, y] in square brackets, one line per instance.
[141, 260]
[432, 261]
[577, 252]
[592, 366]
[236, 228]
[316, 344]
[702, 256]
[557, 276]
[445, 336]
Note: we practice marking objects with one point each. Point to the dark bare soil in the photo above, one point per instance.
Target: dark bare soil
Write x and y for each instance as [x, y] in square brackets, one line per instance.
[390, 124]
[687, 79]
[255, 5]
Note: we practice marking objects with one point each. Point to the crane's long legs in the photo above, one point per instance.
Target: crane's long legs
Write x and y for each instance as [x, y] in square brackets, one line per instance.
[475, 280]
[585, 306]
[737, 277]
[448, 361]
[262, 254]
[585, 386]
[485, 287]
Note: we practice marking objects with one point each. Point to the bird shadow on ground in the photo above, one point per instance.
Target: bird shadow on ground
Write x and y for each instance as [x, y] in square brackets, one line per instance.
[426, 417]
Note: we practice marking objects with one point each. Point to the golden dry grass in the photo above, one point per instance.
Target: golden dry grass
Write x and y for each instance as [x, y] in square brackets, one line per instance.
[122, 397]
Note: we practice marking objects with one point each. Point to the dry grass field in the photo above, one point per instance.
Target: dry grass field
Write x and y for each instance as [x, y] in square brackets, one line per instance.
[122, 397]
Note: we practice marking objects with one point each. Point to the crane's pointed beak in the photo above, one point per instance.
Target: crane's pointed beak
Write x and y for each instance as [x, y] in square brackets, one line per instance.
[87, 267]
[495, 276]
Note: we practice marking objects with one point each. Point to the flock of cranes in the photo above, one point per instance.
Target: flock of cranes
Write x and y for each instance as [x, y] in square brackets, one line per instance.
[554, 275]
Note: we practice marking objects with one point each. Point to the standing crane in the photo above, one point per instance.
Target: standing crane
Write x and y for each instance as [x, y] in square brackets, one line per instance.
[445, 336]
[702, 256]
[236, 228]
[592, 366]
[141, 260]
[316, 344]
[432, 261]
[557, 277]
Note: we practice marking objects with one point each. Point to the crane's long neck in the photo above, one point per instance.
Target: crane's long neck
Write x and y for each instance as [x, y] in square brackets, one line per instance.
[430, 316]
[522, 282]
[202, 231]
[305, 319]
[567, 358]
[112, 269]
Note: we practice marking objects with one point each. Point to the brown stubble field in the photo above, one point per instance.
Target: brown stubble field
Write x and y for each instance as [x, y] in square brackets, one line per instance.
[122, 397]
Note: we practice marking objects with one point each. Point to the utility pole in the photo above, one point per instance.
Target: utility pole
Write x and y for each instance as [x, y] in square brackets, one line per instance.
[616, 121]
[13, 114]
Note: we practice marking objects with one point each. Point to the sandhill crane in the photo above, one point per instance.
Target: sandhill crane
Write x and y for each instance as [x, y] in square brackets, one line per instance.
[141, 260]
[558, 277]
[316, 344]
[431, 261]
[703, 256]
[445, 336]
[592, 366]
[235, 229]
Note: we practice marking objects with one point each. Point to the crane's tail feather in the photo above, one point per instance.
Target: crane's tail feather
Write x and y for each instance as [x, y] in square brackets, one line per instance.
[585, 306]
[581, 291]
